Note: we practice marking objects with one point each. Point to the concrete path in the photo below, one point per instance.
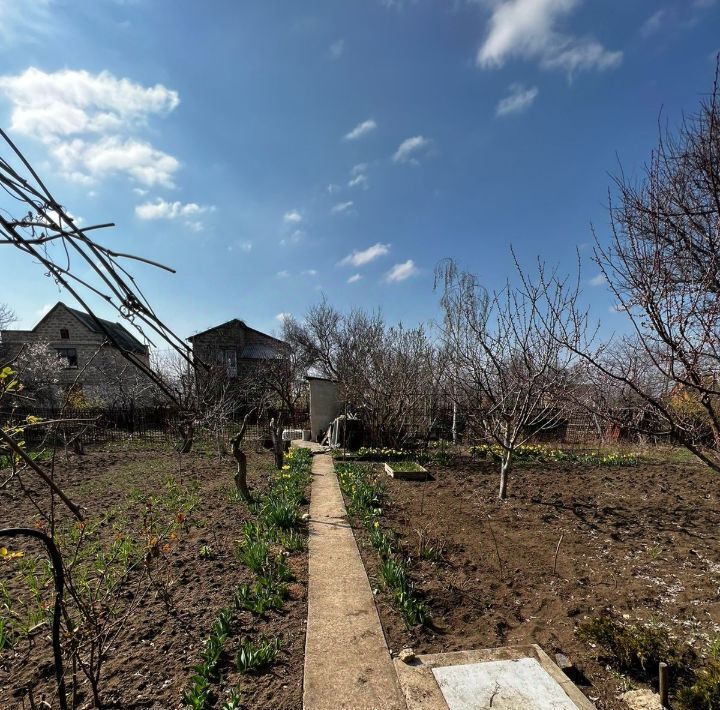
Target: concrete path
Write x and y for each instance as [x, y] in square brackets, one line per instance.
[347, 663]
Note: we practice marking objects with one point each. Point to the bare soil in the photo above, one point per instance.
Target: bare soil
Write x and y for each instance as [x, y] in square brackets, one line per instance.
[151, 663]
[640, 541]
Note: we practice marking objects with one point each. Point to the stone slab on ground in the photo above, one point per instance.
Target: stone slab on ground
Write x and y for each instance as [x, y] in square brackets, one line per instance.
[514, 678]
[347, 662]
[642, 700]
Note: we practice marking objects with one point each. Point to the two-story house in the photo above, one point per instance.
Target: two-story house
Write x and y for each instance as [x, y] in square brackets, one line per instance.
[235, 348]
[93, 365]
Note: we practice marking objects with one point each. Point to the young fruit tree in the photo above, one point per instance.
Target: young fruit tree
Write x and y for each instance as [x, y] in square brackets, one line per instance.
[508, 369]
[662, 264]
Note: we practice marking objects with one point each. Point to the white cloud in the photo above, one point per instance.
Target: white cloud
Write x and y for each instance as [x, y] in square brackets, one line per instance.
[362, 129]
[85, 162]
[653, 23]
[360, 258]
[342, 207]
[160, 209]
[519, 99]
[527, 29]
[409, 148]
[400, 272]
[359, 176]
[359, 181]
[332, 188]
[337, 49]
[292, 217]
[294, 238]
[86, 120]
[598, 280]
[354, 278]
[283, 316]
[243, 246]
[282, 274]
[24, 22]
[310, 272]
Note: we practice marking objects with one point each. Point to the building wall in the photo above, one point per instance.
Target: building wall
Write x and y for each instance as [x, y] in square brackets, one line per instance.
[324, 406]
[231, 336]
[102, 371]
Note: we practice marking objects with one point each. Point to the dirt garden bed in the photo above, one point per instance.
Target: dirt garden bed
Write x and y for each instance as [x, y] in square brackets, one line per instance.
[195, 574]
[640, 541]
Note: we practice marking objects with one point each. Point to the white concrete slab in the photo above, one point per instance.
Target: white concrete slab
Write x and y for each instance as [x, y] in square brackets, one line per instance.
[521, 684]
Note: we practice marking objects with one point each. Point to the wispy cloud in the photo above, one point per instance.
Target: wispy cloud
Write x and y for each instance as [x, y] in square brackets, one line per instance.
[400, 272]
[292, 217]
[88, 121]
[242, 246]
[283, 316]
[358, 176]
[519, 99]
[282, 274]
[653, 23]
[526, 29]
[342, 207]
[360, 258]
[310, 272]
[597, 280]
[354, 278]
[362, 129]
[332, 188]
[293, 238]
[409, 149]
[337, 49]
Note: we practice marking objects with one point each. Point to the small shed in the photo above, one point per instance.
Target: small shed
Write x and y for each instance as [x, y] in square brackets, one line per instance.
[324, 405]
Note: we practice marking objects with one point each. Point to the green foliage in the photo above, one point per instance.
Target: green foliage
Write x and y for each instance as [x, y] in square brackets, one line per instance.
[704, 692]
[634, 648]
[256, 656]
[198, 695]
[280, 512]
[206, 552]
[234, 701]
[539, 453]
[365, 498]
[260, 597]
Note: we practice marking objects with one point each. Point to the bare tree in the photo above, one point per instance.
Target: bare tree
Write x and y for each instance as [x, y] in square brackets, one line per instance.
[7, 316]
[508, 367]
[662, 264]
[388, 375]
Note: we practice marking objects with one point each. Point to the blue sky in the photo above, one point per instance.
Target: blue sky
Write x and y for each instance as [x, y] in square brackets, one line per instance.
[274, 151]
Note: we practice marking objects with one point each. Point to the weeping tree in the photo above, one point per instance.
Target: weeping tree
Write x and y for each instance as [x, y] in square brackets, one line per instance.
[507, 365]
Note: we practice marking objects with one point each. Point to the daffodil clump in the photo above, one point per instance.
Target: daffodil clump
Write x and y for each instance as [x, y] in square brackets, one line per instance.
[546, 454]
[365, 497]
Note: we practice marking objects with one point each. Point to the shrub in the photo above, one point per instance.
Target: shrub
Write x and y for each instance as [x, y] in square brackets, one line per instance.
[704, 693]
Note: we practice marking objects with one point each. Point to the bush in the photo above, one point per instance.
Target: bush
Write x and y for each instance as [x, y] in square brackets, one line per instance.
[704, 693]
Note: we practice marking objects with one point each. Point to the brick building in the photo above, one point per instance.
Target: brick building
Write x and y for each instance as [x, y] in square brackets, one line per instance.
[235, 347]
[93, 365]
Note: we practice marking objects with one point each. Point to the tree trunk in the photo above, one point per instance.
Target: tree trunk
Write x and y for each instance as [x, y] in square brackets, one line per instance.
[241, 473]
[186, 437]
[240, 476]
[278, 448]
[505, 468]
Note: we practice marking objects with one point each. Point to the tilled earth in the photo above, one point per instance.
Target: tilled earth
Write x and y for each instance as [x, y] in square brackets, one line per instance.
[641, 541]
[150, 663]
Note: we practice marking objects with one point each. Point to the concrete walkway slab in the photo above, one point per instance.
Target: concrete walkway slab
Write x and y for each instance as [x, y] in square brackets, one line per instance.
[347, 662]
[517, 678]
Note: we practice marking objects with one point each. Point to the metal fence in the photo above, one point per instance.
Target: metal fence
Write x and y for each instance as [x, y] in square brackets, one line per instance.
[152, 424]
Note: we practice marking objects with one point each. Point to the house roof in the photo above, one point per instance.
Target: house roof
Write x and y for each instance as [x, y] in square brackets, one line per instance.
[126, 340]
[242, 324]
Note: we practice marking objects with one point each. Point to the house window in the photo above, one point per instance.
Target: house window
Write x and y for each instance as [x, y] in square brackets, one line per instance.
[69, 354]
[64, 334]
[230, 361]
